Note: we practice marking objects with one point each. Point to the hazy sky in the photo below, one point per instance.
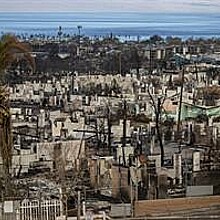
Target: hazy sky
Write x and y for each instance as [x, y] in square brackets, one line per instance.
[207, 6]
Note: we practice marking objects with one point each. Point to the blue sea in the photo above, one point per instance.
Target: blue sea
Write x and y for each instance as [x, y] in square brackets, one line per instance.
[129, 25]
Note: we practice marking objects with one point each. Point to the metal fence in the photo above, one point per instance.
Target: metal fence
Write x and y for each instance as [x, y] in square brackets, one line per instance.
[30, 210]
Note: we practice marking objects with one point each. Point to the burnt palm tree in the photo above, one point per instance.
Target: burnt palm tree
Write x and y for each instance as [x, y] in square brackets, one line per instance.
[11, 50]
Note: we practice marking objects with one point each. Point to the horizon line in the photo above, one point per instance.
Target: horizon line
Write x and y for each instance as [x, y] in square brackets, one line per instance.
[99, 11]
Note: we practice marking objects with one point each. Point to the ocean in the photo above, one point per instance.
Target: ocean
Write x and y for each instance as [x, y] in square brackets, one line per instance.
[129, 25]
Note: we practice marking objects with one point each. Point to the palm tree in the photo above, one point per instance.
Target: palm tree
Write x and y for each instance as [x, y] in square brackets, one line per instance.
[10, 51]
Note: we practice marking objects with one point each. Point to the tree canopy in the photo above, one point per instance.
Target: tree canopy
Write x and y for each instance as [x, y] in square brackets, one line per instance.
[11, 50]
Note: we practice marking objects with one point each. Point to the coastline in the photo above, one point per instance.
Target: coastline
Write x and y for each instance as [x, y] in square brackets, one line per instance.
[119, 24]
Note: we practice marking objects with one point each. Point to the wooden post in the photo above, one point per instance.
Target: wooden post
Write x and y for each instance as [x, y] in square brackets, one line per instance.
[180, 107]
[124, 131]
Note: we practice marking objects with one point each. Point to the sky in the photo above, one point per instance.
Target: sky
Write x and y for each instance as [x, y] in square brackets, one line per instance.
[166, 6]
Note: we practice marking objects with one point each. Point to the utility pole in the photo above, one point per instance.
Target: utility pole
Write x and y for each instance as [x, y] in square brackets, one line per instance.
[124, 131]
[72, 82]
[109, 129]
[186, 174]
[180, 106]
[151, 69]
[40, 211]
[136, 192]
[3, 201]
[136, 184]
[79, 46]
[60, 168]
[78, 205]
[119, 57]
[132, 200]
[79, 37]
[38, 133]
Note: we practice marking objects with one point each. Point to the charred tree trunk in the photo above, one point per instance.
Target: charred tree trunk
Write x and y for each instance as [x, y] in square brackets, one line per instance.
[6, 148]
[158, 129]
[157, 106]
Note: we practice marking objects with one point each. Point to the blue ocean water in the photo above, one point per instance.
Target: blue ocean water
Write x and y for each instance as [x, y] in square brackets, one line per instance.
[120, 24]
